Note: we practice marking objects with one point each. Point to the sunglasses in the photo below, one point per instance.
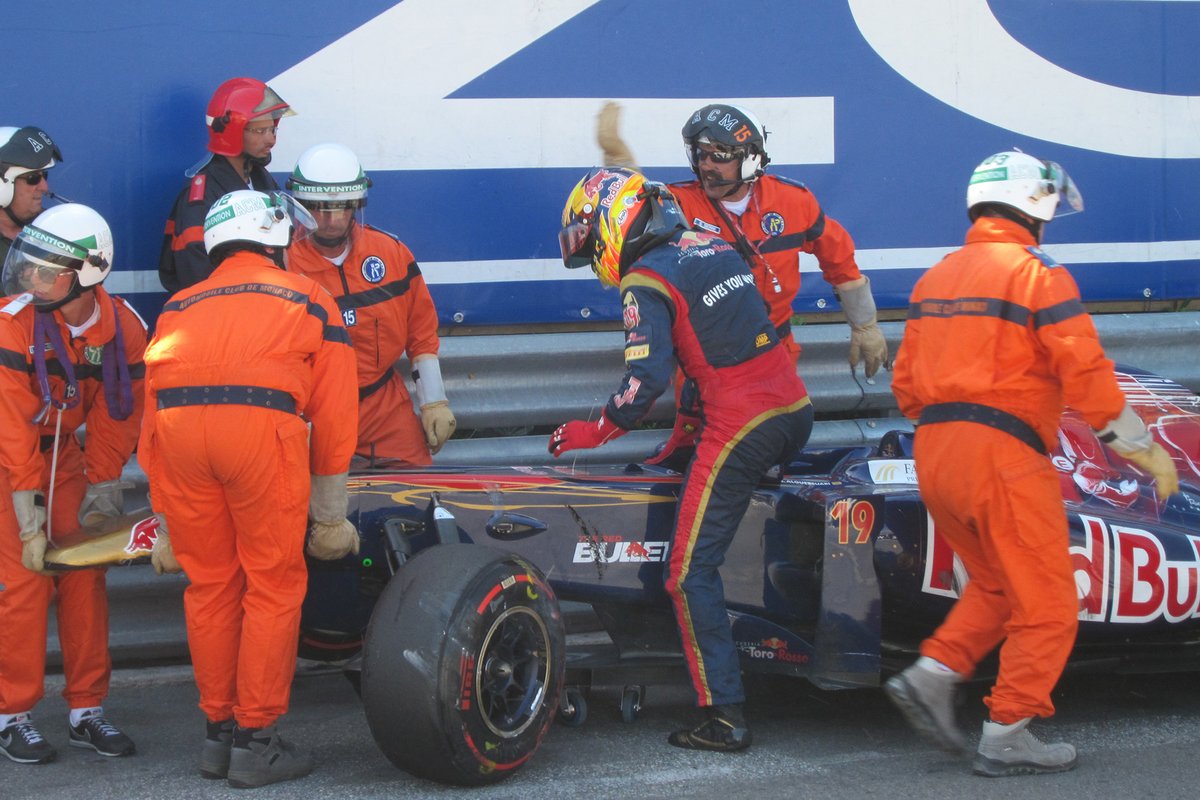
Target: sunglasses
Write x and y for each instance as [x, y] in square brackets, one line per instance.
[718, 156]
[330, 205]
[34, 178]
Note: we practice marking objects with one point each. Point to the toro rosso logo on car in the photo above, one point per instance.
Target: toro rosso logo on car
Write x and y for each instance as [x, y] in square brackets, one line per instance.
[1123, 574]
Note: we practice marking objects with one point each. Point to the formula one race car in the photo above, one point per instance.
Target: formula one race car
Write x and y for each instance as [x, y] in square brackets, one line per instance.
[836, 575]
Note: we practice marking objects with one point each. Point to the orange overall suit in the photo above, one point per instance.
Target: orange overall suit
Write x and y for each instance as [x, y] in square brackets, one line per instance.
[388, 311]
[239, 363]
[26, 449]
[782, 220]
[996, 340]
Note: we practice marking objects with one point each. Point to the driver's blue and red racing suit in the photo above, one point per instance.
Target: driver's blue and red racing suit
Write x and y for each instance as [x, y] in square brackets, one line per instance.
[692, 300]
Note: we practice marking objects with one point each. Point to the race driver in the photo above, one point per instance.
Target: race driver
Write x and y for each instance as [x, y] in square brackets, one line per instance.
[997, 340]
[251, 387]
[385, 306]
[690, 301]
[70, 356]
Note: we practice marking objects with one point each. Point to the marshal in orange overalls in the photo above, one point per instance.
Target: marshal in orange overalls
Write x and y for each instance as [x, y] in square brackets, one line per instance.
[999, 325]
[251, 387]
[388, 311]
[25, 460]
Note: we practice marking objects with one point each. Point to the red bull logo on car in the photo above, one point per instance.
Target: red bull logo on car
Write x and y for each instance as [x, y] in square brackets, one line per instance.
[1123, 574]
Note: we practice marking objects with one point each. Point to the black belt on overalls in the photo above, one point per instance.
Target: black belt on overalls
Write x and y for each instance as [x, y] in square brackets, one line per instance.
[984, 415]
[258, 396]
[371, 388]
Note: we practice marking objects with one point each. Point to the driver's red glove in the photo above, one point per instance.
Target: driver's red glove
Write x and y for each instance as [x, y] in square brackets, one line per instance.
[677, 450]
[578, 434]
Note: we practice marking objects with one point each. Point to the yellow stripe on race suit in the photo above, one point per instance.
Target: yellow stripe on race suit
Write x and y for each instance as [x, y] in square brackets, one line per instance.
[694, 533]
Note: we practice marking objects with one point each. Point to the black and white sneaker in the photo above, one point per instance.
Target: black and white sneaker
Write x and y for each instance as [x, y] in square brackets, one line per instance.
[21, 742]
[98, 733]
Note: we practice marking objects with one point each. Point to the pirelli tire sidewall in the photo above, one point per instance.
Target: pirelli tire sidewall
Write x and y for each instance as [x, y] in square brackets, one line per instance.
[451, 641]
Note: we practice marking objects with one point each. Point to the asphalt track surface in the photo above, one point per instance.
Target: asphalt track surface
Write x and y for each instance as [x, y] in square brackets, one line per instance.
[1136, 736]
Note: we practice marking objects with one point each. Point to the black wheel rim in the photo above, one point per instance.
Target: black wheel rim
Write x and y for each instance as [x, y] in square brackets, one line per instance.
[513, 671]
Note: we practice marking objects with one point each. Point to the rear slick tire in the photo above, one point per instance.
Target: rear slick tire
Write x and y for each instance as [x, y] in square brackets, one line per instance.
[463, 664]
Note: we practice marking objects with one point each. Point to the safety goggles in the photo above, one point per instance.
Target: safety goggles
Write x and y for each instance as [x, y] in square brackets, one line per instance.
[576, 243]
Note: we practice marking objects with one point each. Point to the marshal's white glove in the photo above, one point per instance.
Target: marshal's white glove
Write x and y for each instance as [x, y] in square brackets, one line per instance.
[437, 420]
[30, 508]
[102, 501]
[608, 136]
[866, 339]
[162, 557]
[331, 536]
[1127, 435]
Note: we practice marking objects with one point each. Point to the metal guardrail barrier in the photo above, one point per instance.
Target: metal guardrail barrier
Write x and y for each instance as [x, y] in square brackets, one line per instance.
[537, 380]
[531, 381]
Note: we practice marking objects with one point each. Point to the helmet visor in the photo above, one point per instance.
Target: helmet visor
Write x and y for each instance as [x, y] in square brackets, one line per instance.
[575, 243]
[303, 223]
[271, 106]
[1065, 188]
[44, 265]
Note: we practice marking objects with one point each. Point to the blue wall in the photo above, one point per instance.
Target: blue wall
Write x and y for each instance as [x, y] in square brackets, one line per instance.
[471, 168]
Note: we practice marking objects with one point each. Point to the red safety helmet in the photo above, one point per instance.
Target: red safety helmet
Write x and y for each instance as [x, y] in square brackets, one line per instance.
[235, 103]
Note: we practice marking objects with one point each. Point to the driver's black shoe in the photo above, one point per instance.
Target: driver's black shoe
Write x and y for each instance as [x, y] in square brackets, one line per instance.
[724, 731]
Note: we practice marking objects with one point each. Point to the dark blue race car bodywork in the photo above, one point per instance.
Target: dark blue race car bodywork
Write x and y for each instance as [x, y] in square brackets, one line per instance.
[836, 574]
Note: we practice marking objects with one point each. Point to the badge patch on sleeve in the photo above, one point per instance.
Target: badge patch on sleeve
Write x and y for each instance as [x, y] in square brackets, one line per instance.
[373, 269]
[638, 351]
[196, 192]
[632, 316]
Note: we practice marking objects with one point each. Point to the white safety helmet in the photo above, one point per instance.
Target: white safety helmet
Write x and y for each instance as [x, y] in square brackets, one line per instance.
[271, 220]
[1018, 180]
[64, 241]
[329, 176]
[23, 150]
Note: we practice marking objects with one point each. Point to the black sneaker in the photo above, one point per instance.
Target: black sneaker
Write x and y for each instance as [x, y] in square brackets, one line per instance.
[214, 758]
[98, 733]
[724, 731]
[21, 742]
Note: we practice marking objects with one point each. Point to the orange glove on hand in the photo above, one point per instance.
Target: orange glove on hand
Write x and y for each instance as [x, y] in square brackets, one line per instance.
[579, 434]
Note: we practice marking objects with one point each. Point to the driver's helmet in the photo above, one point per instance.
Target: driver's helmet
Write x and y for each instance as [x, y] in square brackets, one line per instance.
[23, 150]
[1041, 189]
[329, 176]
[608, 209]
[235, 103]
[66, 247]
[269, 219]
[731, 130]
